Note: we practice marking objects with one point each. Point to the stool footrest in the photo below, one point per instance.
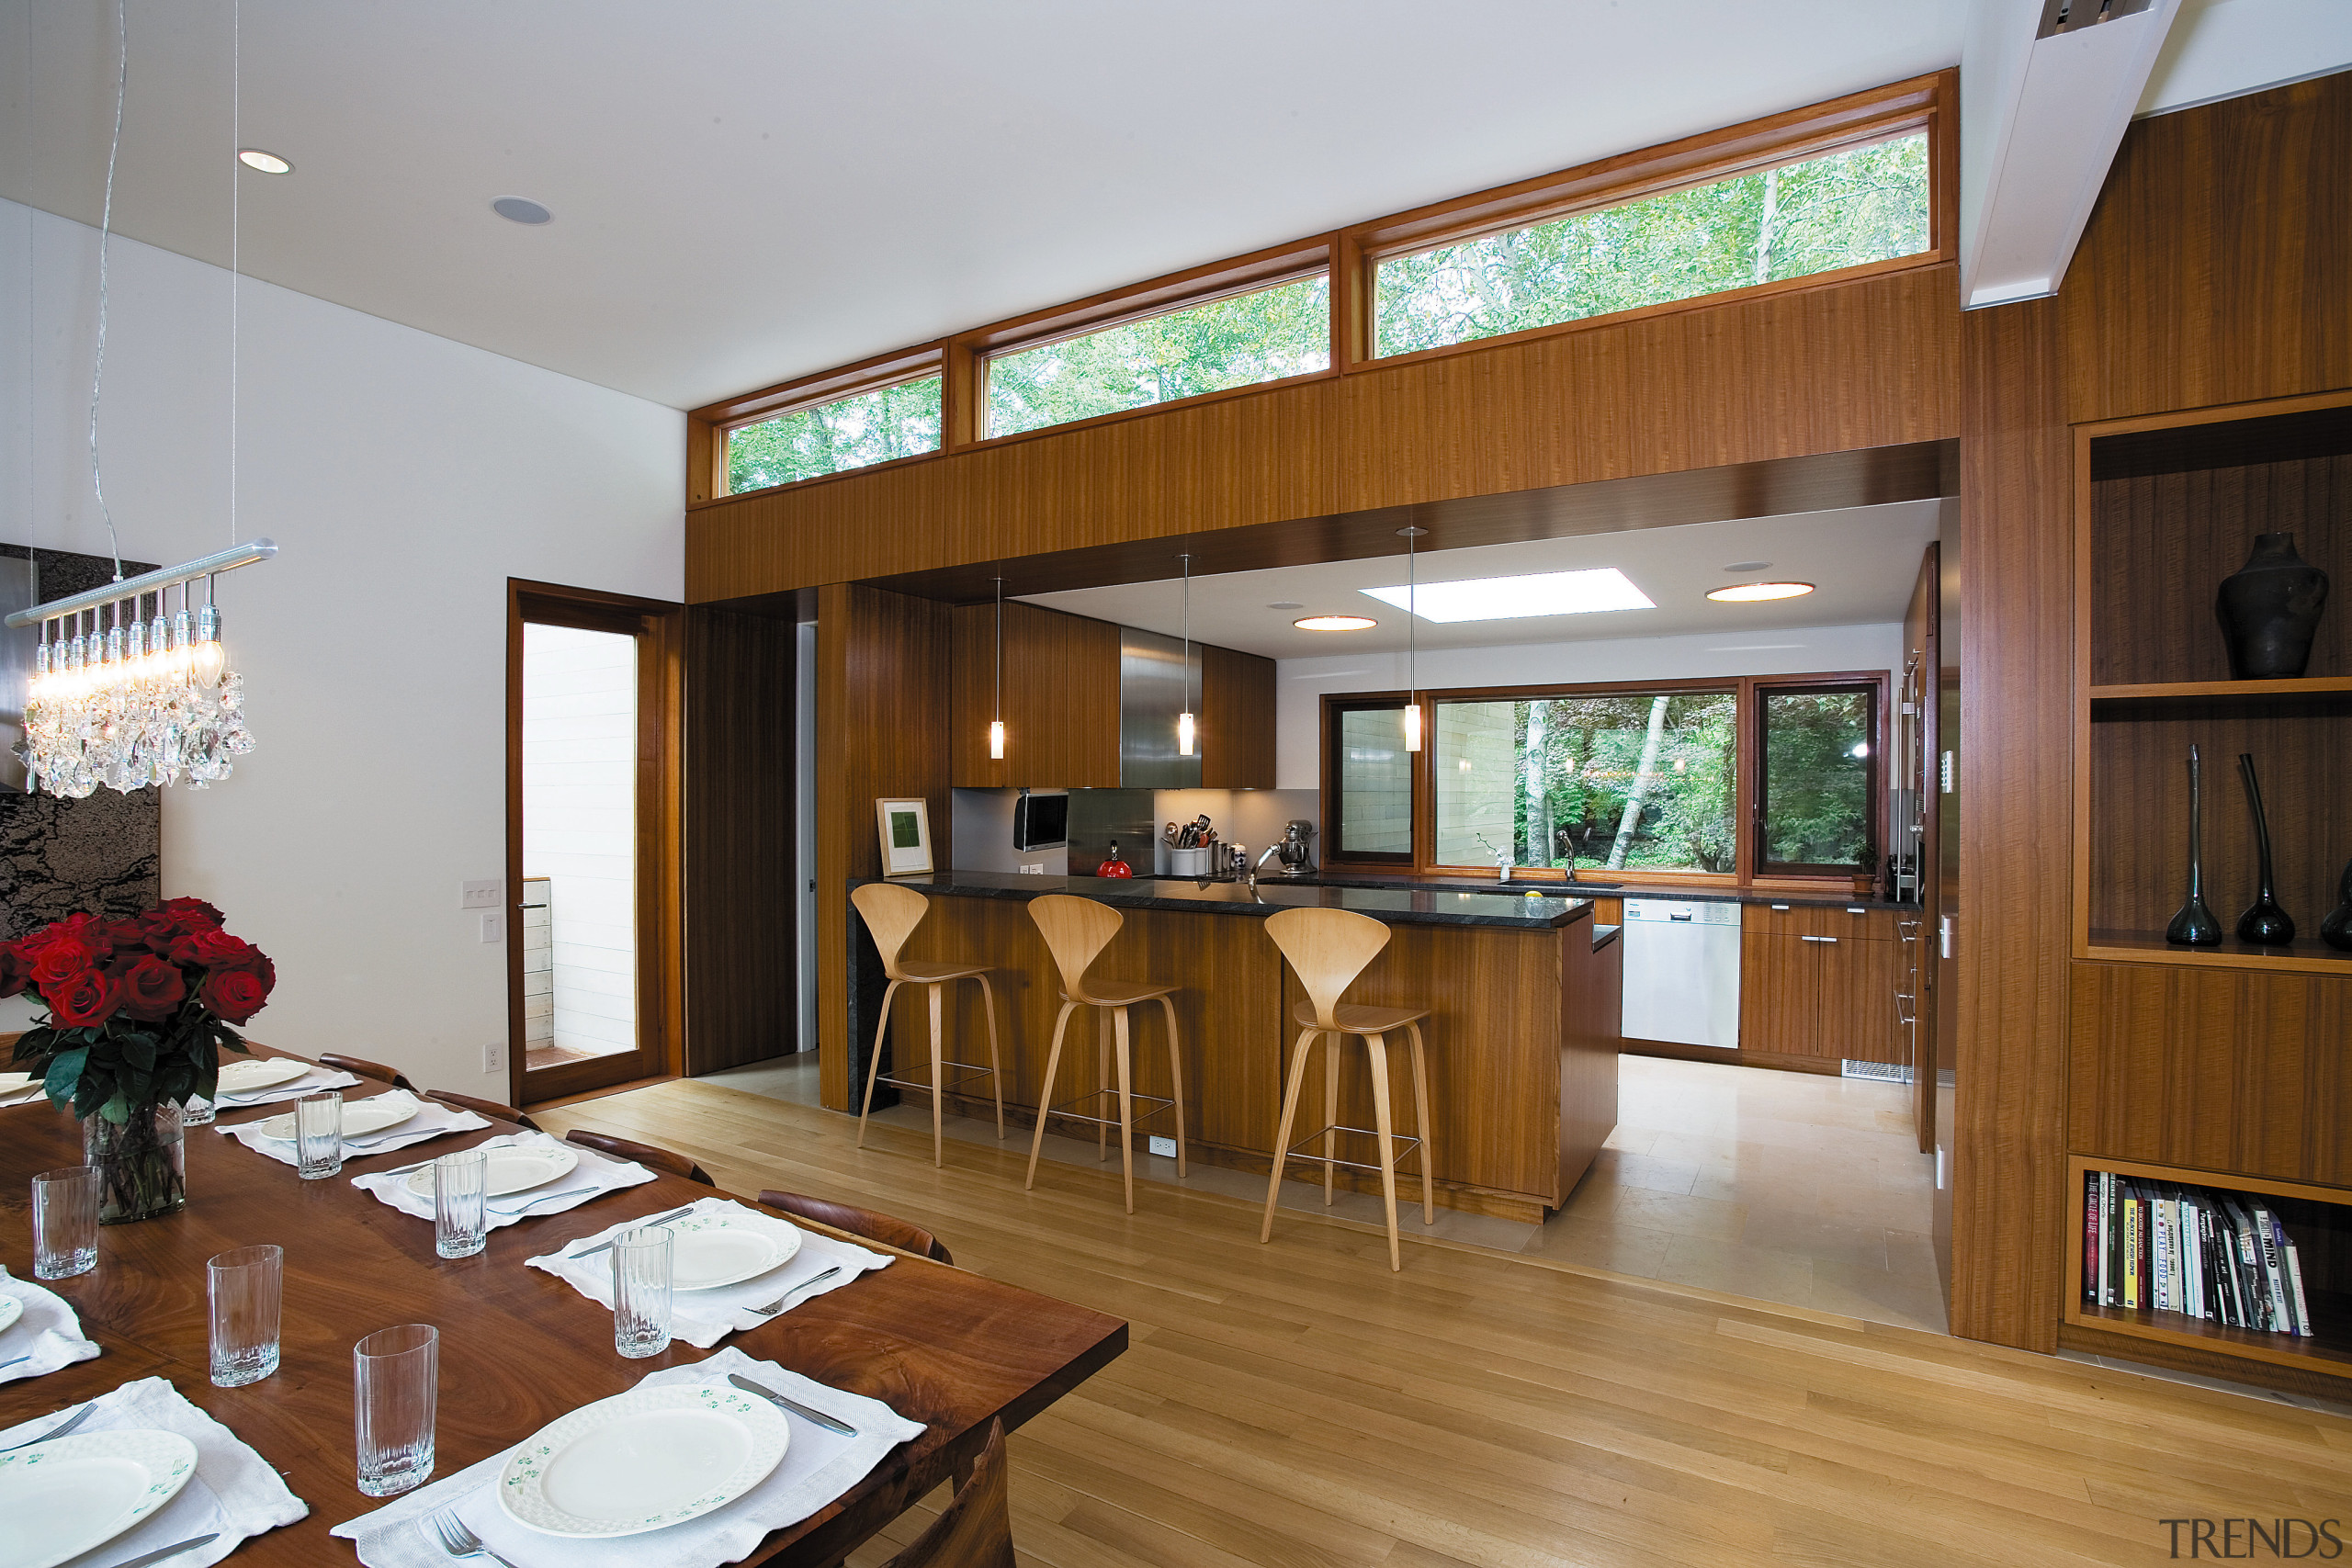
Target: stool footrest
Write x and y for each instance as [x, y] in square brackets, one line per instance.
[1299, 1150]
[968, 1071]
[1158, 1102]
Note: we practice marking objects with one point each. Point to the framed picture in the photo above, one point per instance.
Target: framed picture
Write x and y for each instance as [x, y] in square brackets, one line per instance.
[905, 826]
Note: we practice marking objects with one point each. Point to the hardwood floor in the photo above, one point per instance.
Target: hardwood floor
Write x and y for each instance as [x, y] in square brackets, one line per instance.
[1295, 1403]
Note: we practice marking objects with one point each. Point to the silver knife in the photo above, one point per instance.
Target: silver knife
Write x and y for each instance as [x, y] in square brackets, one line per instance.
[818, 1416]
[189, 1545]
[636, 1225]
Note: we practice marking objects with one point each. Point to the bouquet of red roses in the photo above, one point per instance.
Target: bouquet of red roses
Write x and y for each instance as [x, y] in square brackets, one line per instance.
[139, 1009]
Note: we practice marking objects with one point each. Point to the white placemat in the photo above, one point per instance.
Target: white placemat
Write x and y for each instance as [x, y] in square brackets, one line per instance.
[311, 1082]
[432, 1120]
[48, 1332]
[702, 1318]
[595, 1176]
[234, 1494]
[817, 1467]
[24, 1096]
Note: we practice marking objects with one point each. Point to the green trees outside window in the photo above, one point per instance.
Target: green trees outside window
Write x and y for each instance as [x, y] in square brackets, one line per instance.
[1237, 341]
[1860, 205]
[900, 421]
[1816, 780]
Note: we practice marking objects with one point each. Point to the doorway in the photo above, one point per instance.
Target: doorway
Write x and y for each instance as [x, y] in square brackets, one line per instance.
[591, 738]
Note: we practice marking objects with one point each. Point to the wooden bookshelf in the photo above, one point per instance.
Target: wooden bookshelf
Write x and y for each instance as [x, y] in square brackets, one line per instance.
[2306, 957]
[2328, 1352]
[2260, 691]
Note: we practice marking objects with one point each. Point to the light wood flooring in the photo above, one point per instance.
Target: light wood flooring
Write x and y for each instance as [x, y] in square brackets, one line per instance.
[1297, 1405]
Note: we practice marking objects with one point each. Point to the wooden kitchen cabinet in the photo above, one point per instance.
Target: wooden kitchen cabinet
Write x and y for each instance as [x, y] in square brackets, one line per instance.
[1060, 700]
[1236, 720]
[1820, 982]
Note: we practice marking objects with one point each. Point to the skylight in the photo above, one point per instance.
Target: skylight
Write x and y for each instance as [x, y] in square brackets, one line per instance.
[1513, 598]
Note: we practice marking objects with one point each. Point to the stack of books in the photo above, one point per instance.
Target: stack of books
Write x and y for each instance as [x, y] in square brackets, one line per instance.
[2223, 1256]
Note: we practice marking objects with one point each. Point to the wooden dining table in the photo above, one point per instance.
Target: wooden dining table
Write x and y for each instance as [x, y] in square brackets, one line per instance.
[519, 1346]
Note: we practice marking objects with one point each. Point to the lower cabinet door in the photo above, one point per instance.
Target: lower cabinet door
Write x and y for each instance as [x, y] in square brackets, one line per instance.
[1779, 995]
[1859, 980]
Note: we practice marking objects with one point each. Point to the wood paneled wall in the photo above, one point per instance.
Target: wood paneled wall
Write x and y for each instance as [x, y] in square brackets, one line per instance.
[1867, 362]
[1236, 720]
[882, 721]
[740, 1004]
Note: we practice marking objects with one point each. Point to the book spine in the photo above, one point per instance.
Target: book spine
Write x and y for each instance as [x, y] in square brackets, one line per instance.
[2131, 1249]
[2160, 1254]
[2093, 1215]
[2295, 1283]
[2110, 1236]
[2264, 1226]
[2192, 1271]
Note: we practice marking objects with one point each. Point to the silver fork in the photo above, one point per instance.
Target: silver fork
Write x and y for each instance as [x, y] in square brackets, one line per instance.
[543, 1198]
[57, 1431]
[460, 1541]
[776, 1305]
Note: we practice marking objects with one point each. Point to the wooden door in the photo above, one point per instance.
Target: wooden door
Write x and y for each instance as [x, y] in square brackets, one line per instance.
[1920, 711]
[1779, 994]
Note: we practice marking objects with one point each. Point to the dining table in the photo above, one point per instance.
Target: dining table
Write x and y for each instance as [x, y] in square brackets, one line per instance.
[940, 1345]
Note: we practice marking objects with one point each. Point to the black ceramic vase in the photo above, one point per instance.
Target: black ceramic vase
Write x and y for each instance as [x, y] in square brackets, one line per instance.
[2268, 610]
[2336, 930]
[2195, 925]
[2264, 923]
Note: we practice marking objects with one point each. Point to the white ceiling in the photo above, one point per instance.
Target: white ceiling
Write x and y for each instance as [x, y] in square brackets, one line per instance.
[1862, 561]
[745, 190]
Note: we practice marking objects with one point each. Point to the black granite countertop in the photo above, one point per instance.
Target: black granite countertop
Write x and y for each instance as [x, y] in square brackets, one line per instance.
[1604, 935]
[1598, 887]
[1397, 904]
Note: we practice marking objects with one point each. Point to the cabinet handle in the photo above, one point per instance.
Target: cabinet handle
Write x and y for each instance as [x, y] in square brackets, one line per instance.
[1910, 929]
[1781, 908]
[1827, 939]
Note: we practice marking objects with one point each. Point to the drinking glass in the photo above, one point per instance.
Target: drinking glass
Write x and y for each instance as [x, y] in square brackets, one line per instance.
[460, 1184]
[396, 1378]
[246, 1289]
[196, 1111]
[65, 1222]
[641, 1292]
[318, 1135]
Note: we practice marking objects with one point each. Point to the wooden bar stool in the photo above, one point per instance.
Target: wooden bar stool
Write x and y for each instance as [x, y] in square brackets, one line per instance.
[1330, 948]
[1077, 929]
[892, 913]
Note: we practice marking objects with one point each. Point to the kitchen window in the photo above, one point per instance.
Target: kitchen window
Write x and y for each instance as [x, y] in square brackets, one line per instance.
[1368, 783]
[1817, 788]
[878, 425]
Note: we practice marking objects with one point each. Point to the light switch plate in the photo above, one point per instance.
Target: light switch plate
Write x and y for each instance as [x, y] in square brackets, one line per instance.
[493, 1057]
[479, 894]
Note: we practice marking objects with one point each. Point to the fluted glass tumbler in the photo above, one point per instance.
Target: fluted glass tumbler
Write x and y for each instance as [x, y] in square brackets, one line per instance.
[196, 1111]
[318, 1135]
[65, 1222]
[460, 1188]
[246, 1287]
[641, 1292]
[396, 1378]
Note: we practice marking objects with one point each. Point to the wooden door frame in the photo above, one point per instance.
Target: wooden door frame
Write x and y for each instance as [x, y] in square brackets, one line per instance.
[661, 1001]
[1927, 981]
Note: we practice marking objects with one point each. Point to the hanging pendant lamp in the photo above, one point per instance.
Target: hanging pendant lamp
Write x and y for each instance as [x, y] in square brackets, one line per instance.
[1185, 719]
[996, 724]
[1412, 638]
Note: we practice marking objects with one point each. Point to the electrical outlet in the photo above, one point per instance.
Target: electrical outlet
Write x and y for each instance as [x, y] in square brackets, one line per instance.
[1035, 869]
[479, 894]
[493, 1057]
[494, 928]
[1165, 1146]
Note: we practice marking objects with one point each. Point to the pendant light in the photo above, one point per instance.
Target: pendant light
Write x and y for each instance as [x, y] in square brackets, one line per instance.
[1412, 638]
[996, 724]
[1185, 719]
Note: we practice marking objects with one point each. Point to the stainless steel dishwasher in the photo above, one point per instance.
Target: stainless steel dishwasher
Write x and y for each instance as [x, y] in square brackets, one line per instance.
[1682, 972]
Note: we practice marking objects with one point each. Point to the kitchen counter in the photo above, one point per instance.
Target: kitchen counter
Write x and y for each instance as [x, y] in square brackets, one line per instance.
[1397, 905]
[1596, 888]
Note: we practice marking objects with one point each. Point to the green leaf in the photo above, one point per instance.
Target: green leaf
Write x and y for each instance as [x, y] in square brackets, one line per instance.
[117, 1110]
[139, 1050]
[64, 1073]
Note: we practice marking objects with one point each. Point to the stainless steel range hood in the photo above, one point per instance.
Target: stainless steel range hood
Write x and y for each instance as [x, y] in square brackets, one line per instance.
[1153, 682]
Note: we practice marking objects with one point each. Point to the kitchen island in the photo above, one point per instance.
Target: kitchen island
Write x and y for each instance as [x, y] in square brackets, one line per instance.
[1522, 1040]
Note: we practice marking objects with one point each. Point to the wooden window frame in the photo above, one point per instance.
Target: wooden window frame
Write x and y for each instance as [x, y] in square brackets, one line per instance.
[1875, 789]
[1747, 872]
[1350, 256]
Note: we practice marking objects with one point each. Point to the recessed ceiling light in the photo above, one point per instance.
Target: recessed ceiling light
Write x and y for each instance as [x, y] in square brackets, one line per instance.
[520, 209]
[1285, 604]
[266, 163]
[1510, 598]
[1747, 565]
[1750, 592]
[1335, 623]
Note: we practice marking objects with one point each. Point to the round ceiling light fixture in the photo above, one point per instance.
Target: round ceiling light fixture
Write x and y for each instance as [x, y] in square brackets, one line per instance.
[520, 209]
[1741, 565]
[1755, 592]
[264, 163]
[1335, 623]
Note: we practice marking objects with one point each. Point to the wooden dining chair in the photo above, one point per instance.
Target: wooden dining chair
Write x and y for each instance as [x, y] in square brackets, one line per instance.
[489, 1108]
[645, 1154]
[884, 1228]
[1077, 931]
[1328, 949]
[975, 1530]
[891, 915]
[365, 1069]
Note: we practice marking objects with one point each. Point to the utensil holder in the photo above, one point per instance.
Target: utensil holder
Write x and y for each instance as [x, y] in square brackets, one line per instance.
[1201, 862]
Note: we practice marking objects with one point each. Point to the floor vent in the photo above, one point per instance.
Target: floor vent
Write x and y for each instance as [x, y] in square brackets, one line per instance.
[1886, 1072]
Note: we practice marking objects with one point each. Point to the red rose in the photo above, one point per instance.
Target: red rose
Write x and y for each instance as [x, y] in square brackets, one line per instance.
[82, 999]
[213, 949]
[188, 909]
[16, 967]
[88, 930]
[235, 995]
[151, 987]
[60, 958]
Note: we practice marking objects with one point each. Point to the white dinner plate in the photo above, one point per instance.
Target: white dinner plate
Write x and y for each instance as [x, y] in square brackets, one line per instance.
[360, 1117]
[266, 1072]
[510, 1170]
[727, 1248]
[643, 1460]
[62, 1497]
[11, 1309]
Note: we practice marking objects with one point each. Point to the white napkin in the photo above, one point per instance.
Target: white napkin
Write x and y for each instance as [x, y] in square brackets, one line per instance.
[431, 1120]
[24, 1096]
[702, 1318]
[311, 1082]
[817, 1467]
[595, 1176]
[48, 1332]
[234, 1493]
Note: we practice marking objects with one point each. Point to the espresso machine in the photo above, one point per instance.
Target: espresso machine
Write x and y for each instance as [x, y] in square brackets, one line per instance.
[1296, 852]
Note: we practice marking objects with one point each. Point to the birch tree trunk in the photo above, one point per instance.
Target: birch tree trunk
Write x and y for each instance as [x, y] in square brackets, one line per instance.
[1540, 849]
[1643, 774]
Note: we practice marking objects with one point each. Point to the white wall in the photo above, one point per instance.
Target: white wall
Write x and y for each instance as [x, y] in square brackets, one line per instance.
[1299, 683]
[405, 476]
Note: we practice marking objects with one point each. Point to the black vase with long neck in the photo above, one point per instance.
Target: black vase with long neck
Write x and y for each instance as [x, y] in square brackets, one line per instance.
[2195, 926]
[2264, 923]
[2336, 930]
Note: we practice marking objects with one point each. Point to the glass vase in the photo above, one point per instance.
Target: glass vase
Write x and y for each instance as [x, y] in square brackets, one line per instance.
[142, 1164]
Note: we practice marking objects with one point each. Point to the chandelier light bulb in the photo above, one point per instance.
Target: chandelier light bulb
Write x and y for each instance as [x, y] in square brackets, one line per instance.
[207, 659]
